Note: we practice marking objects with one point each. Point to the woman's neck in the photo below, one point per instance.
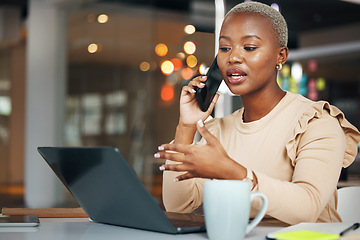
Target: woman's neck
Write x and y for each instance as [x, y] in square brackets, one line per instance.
[258, 105]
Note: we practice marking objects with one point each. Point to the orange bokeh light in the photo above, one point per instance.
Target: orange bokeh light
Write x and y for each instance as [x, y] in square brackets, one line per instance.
[167, 92]
[177, 63]
[187, 73]
[161, 49]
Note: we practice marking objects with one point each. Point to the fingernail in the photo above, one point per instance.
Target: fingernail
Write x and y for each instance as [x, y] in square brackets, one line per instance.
[157, 155]
[203, 77]
[161, 168]
[200, 123]
[202, 84]
[193, 90]
[176, 180]
[161, 148]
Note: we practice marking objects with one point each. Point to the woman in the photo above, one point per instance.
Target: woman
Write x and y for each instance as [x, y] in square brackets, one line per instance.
[290, 148]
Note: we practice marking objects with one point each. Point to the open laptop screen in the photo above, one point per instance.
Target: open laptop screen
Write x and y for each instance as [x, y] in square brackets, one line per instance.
[106, 187]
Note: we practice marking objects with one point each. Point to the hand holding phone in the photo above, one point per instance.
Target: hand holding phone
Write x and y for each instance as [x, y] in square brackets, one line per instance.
[206, 94]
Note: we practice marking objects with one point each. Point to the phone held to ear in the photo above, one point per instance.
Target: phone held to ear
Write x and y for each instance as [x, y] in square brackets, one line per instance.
[206, 94]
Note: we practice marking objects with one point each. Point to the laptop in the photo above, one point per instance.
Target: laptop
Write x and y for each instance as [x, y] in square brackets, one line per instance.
[109, 191]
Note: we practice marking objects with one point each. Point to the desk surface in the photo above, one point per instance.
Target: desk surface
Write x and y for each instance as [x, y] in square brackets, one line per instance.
[71, 229]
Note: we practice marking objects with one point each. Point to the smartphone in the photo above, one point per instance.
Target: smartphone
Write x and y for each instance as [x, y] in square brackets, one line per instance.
[19, 221]
[206, 94]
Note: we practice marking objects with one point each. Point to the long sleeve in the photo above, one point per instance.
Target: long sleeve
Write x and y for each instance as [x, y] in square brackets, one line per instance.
[184, 196]
[317, 167]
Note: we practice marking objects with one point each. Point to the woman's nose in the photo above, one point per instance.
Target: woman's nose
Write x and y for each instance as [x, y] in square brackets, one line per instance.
[236, 56]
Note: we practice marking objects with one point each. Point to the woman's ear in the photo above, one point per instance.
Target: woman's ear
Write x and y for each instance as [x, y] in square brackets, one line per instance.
[283, 55]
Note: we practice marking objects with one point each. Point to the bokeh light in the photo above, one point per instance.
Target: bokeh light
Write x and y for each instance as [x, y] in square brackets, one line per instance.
[187, 73]
[296, 71]
[144, 66]
[180, 55]
[203, 69]
[177, 63]
[93, 48]
[320, 84]
[312, 65]
[167, 92]
[189, 47]
[285, 72]
[102, 18]
[191, 61]
[167, 67]
[189, 29]
[161, 49]
[293, 86]
[312, 92]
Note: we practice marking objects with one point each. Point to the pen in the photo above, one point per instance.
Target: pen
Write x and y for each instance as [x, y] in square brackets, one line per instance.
[353, 227]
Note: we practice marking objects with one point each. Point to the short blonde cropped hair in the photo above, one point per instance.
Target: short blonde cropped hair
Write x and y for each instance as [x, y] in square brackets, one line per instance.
[277, 20]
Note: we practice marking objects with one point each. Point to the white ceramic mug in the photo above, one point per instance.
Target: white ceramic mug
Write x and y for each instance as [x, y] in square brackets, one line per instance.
[227, 206]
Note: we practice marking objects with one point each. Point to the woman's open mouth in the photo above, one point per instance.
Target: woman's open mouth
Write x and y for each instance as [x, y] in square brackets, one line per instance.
[236, 76]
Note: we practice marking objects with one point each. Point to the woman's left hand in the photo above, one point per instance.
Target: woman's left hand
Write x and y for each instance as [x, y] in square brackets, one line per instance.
[204, 161]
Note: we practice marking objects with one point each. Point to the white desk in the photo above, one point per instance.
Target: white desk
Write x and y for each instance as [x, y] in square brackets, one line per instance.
[71, 229]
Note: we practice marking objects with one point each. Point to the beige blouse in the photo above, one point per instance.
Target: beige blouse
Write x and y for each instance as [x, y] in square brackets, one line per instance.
[296, 152]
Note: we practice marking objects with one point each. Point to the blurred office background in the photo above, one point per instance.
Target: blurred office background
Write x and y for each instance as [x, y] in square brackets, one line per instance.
[109, 73]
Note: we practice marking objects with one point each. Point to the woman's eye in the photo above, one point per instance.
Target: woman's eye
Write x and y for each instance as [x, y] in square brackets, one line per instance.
[224, 49]
[250, 48]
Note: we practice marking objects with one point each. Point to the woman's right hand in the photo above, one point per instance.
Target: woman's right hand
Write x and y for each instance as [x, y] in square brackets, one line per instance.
[190, 112]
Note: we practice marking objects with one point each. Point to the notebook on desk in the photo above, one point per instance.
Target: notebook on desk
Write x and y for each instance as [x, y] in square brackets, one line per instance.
[315, 231]
[109, 191]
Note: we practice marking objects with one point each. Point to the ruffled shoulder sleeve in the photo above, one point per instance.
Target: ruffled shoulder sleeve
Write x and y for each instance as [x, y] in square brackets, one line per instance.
[316, 110]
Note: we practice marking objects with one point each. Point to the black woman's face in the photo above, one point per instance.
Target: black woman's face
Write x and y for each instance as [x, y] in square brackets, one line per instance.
[248, 53]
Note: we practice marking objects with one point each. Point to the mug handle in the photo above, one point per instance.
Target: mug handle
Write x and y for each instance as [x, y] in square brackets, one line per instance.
[260, 214]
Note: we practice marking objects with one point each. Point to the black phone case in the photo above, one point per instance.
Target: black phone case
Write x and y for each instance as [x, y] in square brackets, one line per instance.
[206, 94]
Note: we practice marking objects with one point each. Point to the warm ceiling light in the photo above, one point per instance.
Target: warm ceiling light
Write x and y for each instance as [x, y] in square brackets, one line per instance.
[144, 66]
[191, 61]
[189, 47]
[93, 48]
[103, 18]
[167, 67]
[189, 29]
[161, 49]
